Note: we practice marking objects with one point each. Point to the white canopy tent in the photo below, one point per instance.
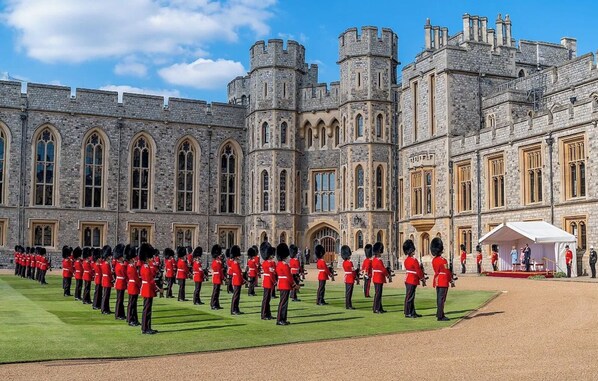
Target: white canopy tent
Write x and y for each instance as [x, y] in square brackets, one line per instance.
[544, 239]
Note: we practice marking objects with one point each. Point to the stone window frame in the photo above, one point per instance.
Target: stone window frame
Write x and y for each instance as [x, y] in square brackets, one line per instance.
[283, 188]
[4, 163]
[233, 231]
[102, 225]
[573, 152]
[151, 144]
[151, 231]
[322, 132]
[284, 138]
[359, 186]
[238, 155]
[337, 134]
[464, 186]
[380, 237]
[105, 142]
[282, 237]
[401, 198]
[310, 138]
[329, 193]
[464, 236]
[194, 193]
[379, 130]
[380, 186]
[359, 126]
[176, 227]
[532, 163]
[491, 120]
[495, 170]
[52, 224]
[266, 133]
[422, 193]
[415, 108]
[432, 104]
[578, 226]
[425, 243]
[359, 240]
[3, 232]
[57, 164]
[265, 189]
[344, 188]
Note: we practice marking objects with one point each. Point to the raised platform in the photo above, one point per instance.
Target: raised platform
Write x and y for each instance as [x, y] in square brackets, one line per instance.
[519, 274]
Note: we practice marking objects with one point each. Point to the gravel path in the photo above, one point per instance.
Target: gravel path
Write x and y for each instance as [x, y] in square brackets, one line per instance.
[535, 330]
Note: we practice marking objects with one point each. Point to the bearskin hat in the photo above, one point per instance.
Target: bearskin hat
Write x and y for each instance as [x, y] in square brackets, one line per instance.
[216, 251]
[436, 247]
[264, 250]
[256, 249]
[42, 251]
[282, 251]
[271, 252]
[378, 248]
[130, 253]
[235, 251]
[96, 254]
[293, 251]
[119, 251]
[181, 251]
[320, 251]
[66, 251]
[462, 247]
[494, 247]
[345, 252]
[85, 252]
[106, 251]
[251, 252]
[368, 251]
[478, 248]
[77, 252]
[146, 251]
[227, 253]
[168, 253]
[189, 249]
[28, 250]
[408, 247]
[17, 248]
[198, 252]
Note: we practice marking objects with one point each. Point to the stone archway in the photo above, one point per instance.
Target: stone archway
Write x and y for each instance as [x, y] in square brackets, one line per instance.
[330, 239]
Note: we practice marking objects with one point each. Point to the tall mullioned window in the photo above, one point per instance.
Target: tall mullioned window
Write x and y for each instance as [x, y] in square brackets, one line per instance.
[496, 177]
[465, 238]
[45, 167]
[94, 171]
[93, 235]
[185, 177]
[265, 191]
[140, 174]
[575, 168]
[183, 236]
[325, 191]
[283, 191]
[283, 133]
[464, 187]
[578, 227]
[359, 126]
[533, 175]
[265, 133]
[2, 166]
[416, 193]
[379, 125]
[360, 187]
[228, 179]
[43, 234]
[379, 187]
[140, 233]
[432, 103]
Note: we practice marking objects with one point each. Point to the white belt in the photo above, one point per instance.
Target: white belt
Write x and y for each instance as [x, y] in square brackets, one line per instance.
[321, 270]
[282, 277]
[133, 281]
[377, 271]
[144, 282]
[77, 271]
[441, 273]
[294, 268]
[217, 272]
[104, 274]
[266, 274]
[86, 271]
[348, 273]
[411, 272]
[195, 272]
[120, 277]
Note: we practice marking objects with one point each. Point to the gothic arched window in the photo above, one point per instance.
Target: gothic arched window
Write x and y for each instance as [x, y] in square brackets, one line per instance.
[3, 145]
[265, 133]
[140, 173]
[94, 171]
[379, 187]
[265, 191]
[359, 126]
[45, 167]
[359, 186]
[228, 179]
[283, 133]
[283, 191]
[185, 183]
[379, 124]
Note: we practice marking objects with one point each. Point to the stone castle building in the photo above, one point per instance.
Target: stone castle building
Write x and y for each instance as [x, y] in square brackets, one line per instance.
[478, 130]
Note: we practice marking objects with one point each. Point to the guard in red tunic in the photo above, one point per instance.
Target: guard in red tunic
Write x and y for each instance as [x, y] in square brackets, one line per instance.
[478, 258]
[78, 267]
[323, 275]
[189, 250]
[32, 266]
[38, 263]
[413, 276]
[366, 268]
[229, 271]
[107, 281]
[494, 258]
[44, 264]
[568, 260]
[442, 277]
[170, 270]
[463, 258]
[181, 272]
[17, 259]
[380, 273]
[252, 271]
[349, 276]
[295, 266]
[148, 288]
[133, 285]
[120, 272]
[67, 270]
[28, 265]
[198, 275]
[267, 253]
[285, 283]
[87, 275]
[237, 280]
[217, 276]
[97, 278]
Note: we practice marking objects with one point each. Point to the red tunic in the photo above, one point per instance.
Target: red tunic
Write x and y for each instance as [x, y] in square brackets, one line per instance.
[197, 271]
[285, 279]
[366, 267]
[33, 262]
[229, 269]
[87, 271]
[106, 274]
[134, 283]
[251, 265]
[67, 267]
[181, 269]
[78, 269]
[463, 256]
[216, 271]
[39, 261]
[169, 265]
[148, 285]
[97, 268]
[413, 273]
[43, 263]
[349, 271]
[379, 271]
[494, 258]
[568, 257]
[120, 270]
[323, 271]
[237, 275]
[478, 258]
[295, 265]
[442, 274]
[268, 275]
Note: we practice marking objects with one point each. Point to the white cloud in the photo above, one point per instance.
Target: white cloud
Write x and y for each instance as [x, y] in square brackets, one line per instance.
[120, 89]
[130, 66]
[80, 30]
[203, 73]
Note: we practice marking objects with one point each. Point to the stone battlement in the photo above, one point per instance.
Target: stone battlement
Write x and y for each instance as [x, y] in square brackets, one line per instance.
[320, 97]
[274, 54]
[369, 42]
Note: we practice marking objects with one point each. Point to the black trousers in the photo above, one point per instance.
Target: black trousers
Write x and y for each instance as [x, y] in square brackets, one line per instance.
[132, 309]
[106, 300]
[23, 271]
[181, 289]
[146, 317]
[36, 273]
[593, 268]
[78, 287]
[348, 295]
[251, 286]
[66, 285]
[440, 300]
[86, 293]
[97, 297]
[229, 286]
[527, 265]
[283, 306]
[170, 282]
[119, 308]
[274, 292]
[367, 282]
[266, 313]
[494, 267]
[378, 297]
[568, 271]
[410, 299]
[42, 277]
[462, 267]
[196, 296]
[215, 301]
[29, 272]
[295, 291]
[234, 305]
[479, 268]
[17, 268]
[321, 292]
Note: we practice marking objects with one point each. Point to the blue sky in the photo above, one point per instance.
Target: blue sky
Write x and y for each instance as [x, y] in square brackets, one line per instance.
[192, 48]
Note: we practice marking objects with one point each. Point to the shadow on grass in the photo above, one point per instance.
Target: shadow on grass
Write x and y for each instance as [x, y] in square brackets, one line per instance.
[202, 328]
[318, 315]
[192, 321]
[327, 320]
[483, 314]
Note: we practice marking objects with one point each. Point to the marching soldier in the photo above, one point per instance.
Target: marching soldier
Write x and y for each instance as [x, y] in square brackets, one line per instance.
[181, 272]
[323, 274]
[107, 280]
[217, 276]
[568, 260]
[267, 252]
[414, 275]
[148, 288]
[479, 258]
[169, 265]
[285, 283]
[463, 259]
[366, 268]
[494, 257]
[349, 276]
[378, 277]
[97, 279]
[593, 260]
[44, 264]
[78, 266]
[252, 271]
[120, 271]
[67, 270]
[87, 275]
[229, 271]
[38, 264]
[295, 266]
[236, 279]
[442, 277]
[133, 285]
[32, 266]
[198, 275]
[17, 259]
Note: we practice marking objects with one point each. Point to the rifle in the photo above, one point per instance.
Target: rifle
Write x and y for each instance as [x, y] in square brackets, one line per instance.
[357, 272]
[302, 271]
[332, 272]
[421, 266]
[389, 271]
[453, 276]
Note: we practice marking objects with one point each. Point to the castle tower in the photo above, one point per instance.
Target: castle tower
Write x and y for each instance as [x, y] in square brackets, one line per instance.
[271, 164]
[368, 63]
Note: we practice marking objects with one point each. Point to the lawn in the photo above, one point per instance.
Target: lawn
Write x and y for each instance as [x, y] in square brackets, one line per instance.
[38, 323]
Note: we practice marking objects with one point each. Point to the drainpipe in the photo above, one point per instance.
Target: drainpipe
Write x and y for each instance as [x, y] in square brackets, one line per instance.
[451, 210]
[21, 200]
[209, 184]
[479, 193]
[550, 142]
[119, 125]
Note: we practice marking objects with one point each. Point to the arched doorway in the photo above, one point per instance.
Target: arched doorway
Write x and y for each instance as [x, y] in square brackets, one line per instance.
[328, 238]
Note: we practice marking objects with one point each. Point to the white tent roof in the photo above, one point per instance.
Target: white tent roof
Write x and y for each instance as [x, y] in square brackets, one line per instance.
[535, 231]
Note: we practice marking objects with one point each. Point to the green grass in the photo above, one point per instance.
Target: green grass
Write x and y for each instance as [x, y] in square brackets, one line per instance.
[38, 323]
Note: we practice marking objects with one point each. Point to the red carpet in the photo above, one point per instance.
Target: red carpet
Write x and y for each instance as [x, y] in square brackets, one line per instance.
[519, 274]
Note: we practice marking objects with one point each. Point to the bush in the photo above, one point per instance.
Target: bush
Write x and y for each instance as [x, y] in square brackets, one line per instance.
[537, 277]
[560, 274]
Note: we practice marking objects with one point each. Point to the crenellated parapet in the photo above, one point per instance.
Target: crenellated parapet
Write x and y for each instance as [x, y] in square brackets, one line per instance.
[371, 41]
[319, 97]
[238, 91]
[274, 53]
